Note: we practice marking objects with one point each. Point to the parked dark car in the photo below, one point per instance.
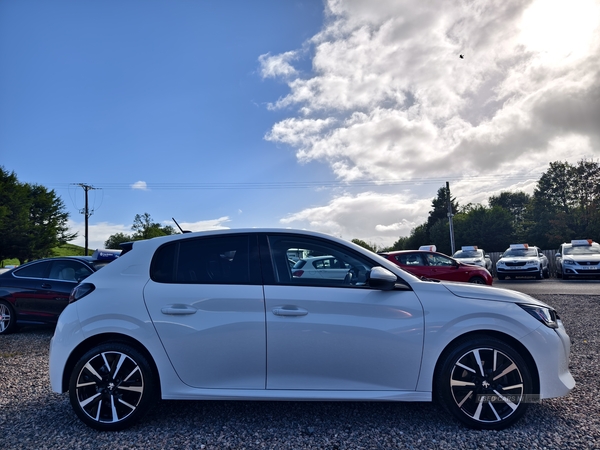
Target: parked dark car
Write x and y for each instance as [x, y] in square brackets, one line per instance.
[37, 292]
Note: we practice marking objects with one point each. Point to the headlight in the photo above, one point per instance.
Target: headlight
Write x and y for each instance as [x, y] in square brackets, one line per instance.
[542, 313]
[500, 263]
[568, 261]
[531, 263]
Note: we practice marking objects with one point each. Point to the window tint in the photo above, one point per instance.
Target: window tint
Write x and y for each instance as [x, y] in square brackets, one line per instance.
[410, 259]
[438, 260]
[35, 270]
[323, 263]
[213, 260]
[69, 270]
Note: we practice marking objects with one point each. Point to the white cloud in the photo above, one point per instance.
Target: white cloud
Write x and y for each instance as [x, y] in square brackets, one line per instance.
[98, 233]
[202, 225]
[389, 99]
[277, 65]
[139, 185]
[373, 217]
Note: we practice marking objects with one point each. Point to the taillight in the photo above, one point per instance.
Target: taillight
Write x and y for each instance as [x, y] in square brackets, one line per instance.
[80, 291]
[297, 273]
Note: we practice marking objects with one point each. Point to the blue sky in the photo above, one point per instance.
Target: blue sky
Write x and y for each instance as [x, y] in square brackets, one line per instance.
[342, 116]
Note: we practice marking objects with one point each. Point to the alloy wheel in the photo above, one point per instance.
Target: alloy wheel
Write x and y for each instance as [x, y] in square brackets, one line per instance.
[487, 385]
[108, 389]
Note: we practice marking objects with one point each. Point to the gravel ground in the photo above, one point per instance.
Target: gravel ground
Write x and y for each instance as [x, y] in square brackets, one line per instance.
[31, 416]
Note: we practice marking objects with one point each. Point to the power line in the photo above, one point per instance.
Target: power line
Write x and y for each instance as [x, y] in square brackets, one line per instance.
[305, 184]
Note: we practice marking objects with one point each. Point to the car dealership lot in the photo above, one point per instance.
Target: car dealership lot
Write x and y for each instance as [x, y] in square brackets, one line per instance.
[31, 416]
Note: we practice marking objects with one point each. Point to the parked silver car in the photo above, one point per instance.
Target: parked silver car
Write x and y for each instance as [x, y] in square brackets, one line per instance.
[219, 315]
[580, 257]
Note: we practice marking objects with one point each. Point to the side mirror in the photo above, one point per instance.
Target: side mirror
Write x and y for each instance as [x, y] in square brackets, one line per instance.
[381, 278]
[558, 255]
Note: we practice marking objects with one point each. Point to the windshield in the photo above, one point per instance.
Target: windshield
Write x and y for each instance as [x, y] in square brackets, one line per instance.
[583, 250]
[469, 254]
[520, 252]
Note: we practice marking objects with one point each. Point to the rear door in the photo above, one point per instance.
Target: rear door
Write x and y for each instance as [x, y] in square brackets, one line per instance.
[206, 301]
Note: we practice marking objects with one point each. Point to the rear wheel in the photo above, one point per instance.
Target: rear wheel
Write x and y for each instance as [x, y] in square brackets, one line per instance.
[112, 386]
[8, 318]
[484, 382]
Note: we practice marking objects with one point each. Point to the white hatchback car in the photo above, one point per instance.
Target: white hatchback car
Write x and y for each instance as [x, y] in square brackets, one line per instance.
[219, 315]
[580, 257]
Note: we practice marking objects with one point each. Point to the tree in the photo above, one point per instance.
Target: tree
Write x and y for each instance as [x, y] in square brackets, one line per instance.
[440, 210]
[566, 203]
[143, 228]
[518, 204]
[114, 241]
[363, 244]
[32, 220]
[488, 228]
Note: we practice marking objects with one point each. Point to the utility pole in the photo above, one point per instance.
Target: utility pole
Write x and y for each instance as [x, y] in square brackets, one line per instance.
[450, 216]
[86, 211]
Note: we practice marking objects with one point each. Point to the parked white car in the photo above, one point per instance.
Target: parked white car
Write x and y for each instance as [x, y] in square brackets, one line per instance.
[522, 260]
[471, 254]
[218, 315]
[328, 267]
[580, 257]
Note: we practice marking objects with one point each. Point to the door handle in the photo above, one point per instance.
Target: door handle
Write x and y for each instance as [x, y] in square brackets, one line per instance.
[46, 286]
[289, 311]
[178, 310]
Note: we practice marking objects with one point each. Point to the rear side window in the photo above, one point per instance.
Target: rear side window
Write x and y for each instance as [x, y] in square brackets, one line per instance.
[35, 270]
[209, 260]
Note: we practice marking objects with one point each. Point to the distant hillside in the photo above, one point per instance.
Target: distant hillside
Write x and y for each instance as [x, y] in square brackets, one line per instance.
[64, 250]
[70, 250]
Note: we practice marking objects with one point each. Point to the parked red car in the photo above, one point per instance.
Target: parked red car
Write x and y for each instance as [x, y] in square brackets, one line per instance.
[431, 264]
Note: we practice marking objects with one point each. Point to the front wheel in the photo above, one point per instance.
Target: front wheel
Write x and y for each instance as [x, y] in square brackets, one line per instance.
[112, 386]
[477, 280]
[8, 318]
[501, 277]
[484, 382]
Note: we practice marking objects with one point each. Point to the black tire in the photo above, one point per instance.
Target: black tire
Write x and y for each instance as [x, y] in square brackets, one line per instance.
[503, 376]
[8, 318]
[112, 386]
[558, 273]
[546, 273]
[501, 277]
[539, 275]
[477, 280]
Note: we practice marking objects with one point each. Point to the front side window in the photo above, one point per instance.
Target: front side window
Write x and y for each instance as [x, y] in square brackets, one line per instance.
[209, 260]
[323, 263]
[69, 270]
[438, 260]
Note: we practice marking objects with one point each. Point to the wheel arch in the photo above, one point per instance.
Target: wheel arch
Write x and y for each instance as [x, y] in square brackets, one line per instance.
[519, 347]
[103, 338]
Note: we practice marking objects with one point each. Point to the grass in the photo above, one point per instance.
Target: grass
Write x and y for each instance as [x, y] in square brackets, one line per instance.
[63, 250]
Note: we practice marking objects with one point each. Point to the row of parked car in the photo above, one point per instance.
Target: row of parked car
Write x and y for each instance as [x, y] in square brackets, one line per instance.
[578, 258]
